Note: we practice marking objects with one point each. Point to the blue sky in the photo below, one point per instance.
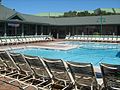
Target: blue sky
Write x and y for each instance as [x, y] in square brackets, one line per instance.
[38, 6]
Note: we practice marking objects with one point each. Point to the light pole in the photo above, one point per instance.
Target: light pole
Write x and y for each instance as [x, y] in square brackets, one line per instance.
[101, 20]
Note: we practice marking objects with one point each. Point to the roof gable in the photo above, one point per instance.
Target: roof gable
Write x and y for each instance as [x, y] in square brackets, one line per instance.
[16, 17]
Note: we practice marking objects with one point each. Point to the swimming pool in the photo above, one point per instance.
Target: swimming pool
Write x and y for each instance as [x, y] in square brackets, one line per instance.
[85, 52]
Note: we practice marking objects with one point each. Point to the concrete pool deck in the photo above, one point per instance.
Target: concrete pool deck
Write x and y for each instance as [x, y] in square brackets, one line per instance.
[46, 45]
[56, 44]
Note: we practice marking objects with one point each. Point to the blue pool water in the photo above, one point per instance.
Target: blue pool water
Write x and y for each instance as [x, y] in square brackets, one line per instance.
[94, 53]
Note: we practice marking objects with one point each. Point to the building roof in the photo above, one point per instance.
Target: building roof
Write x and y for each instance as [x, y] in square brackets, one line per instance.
[88, 20]
[37, 19]
[7, 14]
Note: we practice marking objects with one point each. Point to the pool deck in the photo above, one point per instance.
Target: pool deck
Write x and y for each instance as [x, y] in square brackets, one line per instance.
[57, 45]
[54, 45]
[46, 45]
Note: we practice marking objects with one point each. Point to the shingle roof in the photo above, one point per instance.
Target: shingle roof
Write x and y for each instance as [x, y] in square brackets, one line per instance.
[37, 19]
[5, 13]
[88, 20]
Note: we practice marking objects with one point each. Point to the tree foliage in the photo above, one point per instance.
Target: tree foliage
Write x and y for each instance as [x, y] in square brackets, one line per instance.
[86, 13]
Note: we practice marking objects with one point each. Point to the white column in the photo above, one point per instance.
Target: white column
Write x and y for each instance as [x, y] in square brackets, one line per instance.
[22, 29]
[69, 34]
[57, 35]
[36, 30]
[50, 33]
[41, 30]
[5, 34]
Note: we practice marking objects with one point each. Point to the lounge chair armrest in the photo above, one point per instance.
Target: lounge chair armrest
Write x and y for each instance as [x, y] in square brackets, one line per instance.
[114, 88]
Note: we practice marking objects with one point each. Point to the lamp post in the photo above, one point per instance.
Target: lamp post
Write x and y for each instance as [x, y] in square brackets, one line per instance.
[101, 20]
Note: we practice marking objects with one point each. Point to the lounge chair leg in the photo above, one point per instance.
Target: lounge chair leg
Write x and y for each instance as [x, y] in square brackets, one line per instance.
[12, 81]
[76, 87]
[25, 87]
[24, 78]
[91, 87]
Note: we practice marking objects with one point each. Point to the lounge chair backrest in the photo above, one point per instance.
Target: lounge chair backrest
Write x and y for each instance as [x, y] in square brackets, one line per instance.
[21, 62]
[83, 74]
[33, 61]
[57, 68]
[37, 65]
[111, 75]
[2, 65]
[83, 69]
[55, 64]
[7, 59]
[109, 69]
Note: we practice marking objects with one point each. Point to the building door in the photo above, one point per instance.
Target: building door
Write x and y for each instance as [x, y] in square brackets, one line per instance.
[54, 33]
[118, 30]
[58, 33]
[61, 34]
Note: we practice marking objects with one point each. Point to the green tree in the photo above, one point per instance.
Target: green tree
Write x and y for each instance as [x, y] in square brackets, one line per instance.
[74, 13]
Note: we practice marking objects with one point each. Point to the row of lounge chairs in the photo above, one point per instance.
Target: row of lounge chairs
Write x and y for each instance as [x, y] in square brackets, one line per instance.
[23, 39]
[55, 74]
[93, 38]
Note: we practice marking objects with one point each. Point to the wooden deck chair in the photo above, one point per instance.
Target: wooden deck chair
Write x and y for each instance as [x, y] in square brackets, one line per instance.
[41, 72]
[61, 78]
[111, 76]
[83, 75]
